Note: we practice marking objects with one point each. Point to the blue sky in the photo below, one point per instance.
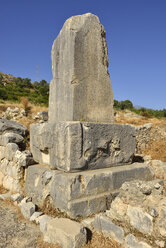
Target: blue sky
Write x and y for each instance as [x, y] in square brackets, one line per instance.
[136, 39]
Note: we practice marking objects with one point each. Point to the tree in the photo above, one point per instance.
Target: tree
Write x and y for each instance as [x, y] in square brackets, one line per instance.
[43, 83]
[127, 104]
[3, 94]
[116, 104]
[27, 82]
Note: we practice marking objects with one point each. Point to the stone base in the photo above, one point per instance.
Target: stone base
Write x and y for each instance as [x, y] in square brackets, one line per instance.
[81, 194]
[75, 146]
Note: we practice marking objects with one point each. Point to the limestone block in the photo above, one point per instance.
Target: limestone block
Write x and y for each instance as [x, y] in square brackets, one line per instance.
[35, 215]
[2, 152]
[132, 242]
[24, 158]
[27, 209]
[118, 210]
[11, 138]
[43, 116]
[81, 87]
[26, 199]
[43, 220]
[160, 243]
[71, 146]
[140, 220]
[104, 224]
[12, 126]
[5, 196]
[66, 233]
[3, 165]
[38, 182]
[11, 148]
[14, 170]
[88, 222]
[84, 193]
[161, 222]
[12, 184]
[16, 197]
[1, 178]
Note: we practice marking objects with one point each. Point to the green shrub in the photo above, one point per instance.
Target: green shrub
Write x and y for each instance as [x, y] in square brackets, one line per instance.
[3, 94]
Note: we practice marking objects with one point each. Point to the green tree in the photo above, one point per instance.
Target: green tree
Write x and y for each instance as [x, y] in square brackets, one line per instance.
[127, 104]
[3, 94]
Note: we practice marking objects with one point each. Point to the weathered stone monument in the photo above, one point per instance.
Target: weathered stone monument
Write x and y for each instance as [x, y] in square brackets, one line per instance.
[81, 88]
[84, 156]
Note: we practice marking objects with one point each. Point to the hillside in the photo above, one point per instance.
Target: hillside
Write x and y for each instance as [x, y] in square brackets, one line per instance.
[14, 88]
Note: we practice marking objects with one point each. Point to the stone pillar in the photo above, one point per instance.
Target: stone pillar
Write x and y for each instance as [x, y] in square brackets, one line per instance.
[81, 88]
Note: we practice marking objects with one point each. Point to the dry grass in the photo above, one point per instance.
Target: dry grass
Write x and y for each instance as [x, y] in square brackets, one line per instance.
[3, 190]
[99, 241]
[42, 244]
[47, 208]
[25, 104]
[140, 121]
[157, 150]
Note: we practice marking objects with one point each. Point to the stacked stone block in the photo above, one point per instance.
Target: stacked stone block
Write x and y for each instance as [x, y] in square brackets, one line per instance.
[13, 156]
[84, 158]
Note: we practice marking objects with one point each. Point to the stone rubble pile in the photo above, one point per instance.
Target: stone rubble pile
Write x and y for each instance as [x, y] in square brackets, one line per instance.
[18, 113]
[136, 217]
[13, 113]
[41, 117]
[159, 168]
[142, 137]
[14, 159]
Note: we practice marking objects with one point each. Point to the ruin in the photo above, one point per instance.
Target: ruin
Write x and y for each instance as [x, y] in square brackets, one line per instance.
[83, 157]
[83, 164]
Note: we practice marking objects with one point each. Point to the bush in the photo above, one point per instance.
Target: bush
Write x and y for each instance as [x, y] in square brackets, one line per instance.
[127, 104]
[3, 94]
[25, 104]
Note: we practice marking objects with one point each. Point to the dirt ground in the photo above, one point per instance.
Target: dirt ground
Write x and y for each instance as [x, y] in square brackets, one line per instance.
[16, 232]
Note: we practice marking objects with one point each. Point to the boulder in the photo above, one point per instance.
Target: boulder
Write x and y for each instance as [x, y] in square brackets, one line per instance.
[13, 127]
[27, 209]
[11, 138]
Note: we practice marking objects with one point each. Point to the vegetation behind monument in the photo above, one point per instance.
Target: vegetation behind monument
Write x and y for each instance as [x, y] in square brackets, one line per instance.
[14, 88]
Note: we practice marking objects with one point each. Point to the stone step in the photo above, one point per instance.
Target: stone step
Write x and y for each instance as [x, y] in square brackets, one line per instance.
[81, 193]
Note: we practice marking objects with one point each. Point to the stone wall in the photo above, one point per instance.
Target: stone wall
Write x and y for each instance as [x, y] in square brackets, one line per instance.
[142, 137]
[14, 159]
